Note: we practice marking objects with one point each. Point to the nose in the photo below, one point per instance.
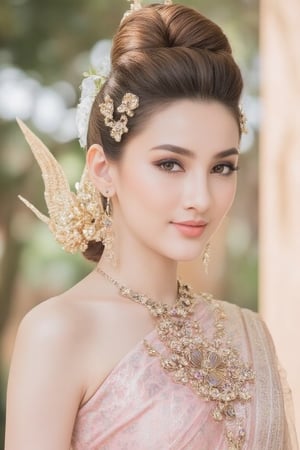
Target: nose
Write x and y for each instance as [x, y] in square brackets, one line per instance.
[196, 192]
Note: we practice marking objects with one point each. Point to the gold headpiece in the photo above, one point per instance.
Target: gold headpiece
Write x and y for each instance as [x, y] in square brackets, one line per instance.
[74, 219]
[135, 5]
[130, 102]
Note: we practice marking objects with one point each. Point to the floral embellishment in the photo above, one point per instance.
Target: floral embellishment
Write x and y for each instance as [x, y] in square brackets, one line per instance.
[209, 365]
[129, 103]
[90, 86]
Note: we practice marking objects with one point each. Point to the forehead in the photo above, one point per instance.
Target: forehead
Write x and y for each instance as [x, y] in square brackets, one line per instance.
[191, 124]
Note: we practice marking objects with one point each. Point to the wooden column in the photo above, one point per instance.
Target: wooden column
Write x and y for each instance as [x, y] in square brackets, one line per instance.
[280, 183]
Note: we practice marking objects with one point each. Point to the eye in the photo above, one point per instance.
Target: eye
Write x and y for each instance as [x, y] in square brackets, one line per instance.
[224, 168]
[170, 165]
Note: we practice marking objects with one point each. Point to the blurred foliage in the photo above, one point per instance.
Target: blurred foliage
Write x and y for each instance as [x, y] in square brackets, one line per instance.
[50, 40]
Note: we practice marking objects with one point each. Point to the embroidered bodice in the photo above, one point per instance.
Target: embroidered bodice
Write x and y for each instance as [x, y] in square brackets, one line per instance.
[138, 406]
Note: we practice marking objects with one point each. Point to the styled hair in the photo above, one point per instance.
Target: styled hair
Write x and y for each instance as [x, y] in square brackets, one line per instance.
[164, 53]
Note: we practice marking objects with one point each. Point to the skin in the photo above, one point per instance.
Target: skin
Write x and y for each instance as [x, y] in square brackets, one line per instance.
[67, 345]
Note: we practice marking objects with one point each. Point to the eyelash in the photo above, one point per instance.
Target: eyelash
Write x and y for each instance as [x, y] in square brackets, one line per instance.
[162, 163]
[231, 167]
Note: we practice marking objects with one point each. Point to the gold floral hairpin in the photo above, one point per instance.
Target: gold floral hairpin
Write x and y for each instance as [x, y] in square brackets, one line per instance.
[136, 5]
[130, 102]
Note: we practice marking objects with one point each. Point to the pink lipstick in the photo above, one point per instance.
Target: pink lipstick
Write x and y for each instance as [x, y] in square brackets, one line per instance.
[190, 228]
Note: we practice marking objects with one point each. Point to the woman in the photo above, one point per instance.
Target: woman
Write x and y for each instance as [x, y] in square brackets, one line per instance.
[130, 358]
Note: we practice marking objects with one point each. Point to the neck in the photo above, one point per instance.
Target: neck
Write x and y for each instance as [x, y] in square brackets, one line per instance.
[147, 274]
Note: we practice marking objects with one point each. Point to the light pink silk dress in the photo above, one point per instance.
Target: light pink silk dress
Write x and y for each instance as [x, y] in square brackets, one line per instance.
[139, 406]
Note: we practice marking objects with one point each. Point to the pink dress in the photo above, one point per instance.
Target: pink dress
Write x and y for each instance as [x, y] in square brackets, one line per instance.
[139, 406]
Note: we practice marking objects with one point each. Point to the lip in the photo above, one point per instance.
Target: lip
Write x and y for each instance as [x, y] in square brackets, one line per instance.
[190, 228]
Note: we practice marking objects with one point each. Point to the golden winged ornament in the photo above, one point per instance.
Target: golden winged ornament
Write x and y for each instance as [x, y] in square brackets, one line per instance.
[74, 218]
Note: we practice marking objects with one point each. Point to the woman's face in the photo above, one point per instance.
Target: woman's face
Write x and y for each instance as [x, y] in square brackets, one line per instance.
[176, 179]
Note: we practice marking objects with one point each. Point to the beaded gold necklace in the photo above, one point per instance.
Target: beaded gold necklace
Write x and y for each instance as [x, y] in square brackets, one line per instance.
[212, 368]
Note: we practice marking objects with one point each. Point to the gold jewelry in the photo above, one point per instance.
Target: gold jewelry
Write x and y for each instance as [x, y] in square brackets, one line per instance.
[107, 236]
[74, 219]
[206, 257]
[130, 102]
[136, 5]
[212, 368]
[243, 120]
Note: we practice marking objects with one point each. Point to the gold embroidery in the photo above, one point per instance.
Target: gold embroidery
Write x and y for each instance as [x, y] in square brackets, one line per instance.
[211, 367]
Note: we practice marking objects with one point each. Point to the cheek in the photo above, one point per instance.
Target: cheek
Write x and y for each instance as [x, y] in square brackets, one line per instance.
[229, 195]
[224, 194]
[147, 187]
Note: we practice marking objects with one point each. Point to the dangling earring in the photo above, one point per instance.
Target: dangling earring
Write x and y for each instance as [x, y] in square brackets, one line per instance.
[107, 236]
[206, 257]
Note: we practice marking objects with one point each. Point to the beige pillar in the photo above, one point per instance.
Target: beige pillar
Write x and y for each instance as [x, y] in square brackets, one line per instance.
[280, 183]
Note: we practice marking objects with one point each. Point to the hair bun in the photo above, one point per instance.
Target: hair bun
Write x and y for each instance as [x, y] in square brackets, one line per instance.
[171, 26]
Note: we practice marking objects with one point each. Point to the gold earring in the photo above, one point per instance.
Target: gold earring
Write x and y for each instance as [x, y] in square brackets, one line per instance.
[206, 257]
[107, 236]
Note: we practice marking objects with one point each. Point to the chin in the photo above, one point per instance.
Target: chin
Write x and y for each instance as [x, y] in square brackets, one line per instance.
[188, 258]
[186, 255]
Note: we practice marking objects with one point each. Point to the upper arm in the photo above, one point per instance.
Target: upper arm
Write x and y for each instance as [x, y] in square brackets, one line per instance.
[45, 382]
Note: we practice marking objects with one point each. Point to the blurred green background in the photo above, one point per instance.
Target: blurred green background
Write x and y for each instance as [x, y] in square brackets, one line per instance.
[45, 46]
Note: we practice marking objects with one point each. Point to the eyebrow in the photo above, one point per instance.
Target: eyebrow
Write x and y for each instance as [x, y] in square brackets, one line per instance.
[186, 152]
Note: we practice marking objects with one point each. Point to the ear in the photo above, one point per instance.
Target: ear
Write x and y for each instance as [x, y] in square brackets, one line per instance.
[99, 169]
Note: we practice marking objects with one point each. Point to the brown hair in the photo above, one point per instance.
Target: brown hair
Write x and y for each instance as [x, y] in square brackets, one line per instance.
[164, 53]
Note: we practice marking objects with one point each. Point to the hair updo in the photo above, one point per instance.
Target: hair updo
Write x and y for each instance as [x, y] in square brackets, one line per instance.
[164, 53]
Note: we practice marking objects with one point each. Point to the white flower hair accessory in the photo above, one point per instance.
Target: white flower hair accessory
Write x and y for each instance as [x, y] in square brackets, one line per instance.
[90, 86]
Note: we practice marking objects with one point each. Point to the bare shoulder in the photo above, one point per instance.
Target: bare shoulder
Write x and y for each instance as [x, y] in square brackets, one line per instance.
[47, 378]
[69, 318]
[63, 331]
[54, 321]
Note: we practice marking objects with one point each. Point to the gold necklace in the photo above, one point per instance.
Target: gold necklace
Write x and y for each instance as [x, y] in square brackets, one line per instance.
[212, 368]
